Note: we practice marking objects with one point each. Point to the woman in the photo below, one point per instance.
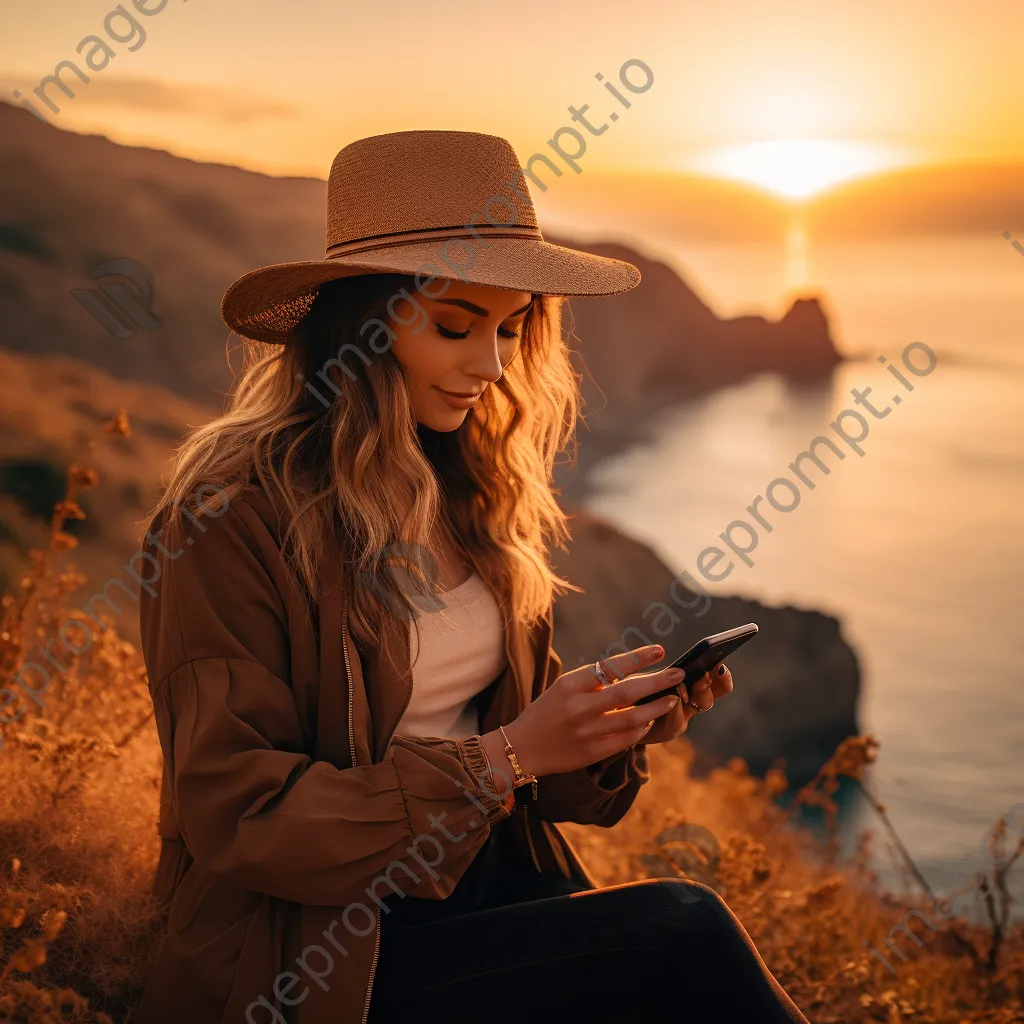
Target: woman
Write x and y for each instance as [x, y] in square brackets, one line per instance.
[367, 736]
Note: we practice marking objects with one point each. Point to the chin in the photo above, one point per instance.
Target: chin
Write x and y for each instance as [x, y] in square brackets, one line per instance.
[444, 421]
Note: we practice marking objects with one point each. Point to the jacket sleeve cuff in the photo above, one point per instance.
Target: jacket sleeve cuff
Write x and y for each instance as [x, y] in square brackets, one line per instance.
[486, 792]
[474, 760]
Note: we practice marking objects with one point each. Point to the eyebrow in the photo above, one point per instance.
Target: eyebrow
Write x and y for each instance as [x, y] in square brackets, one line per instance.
[479, 310]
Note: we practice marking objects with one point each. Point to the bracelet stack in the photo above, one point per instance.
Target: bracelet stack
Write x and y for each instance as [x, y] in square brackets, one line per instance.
[520, 777]
[508, 799]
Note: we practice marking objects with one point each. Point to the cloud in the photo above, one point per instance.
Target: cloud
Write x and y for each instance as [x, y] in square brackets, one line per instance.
[150, 95]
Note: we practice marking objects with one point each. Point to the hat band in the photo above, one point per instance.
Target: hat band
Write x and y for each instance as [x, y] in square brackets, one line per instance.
[371, 242]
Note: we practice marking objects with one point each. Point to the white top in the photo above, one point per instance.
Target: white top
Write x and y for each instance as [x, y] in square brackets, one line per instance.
[463, 651]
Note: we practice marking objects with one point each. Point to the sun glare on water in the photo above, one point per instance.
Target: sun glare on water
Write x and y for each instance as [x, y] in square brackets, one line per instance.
[797, 168]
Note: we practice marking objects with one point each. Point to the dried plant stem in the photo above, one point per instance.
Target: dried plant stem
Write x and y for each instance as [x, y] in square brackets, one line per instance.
[1000, 922]
[134, 731]
[893, 835]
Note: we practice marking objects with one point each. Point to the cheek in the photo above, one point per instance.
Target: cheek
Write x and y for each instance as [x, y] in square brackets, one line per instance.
[509, 350]
[419, 355]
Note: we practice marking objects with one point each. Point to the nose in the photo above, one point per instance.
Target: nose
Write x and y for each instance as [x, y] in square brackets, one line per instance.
[485, 359]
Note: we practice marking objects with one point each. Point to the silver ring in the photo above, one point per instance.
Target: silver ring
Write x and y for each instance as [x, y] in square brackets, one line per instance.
[599, 671]
[697, 707]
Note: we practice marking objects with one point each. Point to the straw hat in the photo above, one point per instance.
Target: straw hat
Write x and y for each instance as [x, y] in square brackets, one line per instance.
[447, 205]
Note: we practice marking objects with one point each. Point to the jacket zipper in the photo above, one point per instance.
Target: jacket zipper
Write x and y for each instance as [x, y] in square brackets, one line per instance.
[373, 970]
[352, 754]
[529, 837]
[525, 806]
[348, 674]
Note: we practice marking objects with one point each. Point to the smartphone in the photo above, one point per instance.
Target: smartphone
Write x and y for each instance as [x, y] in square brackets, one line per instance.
[705, 655]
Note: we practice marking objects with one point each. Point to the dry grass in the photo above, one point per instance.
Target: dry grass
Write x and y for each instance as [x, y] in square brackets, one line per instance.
[807, 914]
[78, 850]
[78, 804]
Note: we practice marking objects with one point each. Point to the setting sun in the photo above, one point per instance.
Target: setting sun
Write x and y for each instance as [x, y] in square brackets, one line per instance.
[798, 168]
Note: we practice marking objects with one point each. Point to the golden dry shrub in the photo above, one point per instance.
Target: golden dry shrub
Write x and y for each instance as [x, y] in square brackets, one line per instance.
[79, 790]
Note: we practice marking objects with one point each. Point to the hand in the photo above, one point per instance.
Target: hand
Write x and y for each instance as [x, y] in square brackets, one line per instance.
[704, 692]
[576, 721]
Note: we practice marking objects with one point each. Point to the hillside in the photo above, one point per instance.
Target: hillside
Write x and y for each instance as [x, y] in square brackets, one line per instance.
[74, 202]
[51, 409]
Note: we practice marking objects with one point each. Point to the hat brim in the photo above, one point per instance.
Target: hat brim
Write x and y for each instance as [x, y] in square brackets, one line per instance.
[266, 304]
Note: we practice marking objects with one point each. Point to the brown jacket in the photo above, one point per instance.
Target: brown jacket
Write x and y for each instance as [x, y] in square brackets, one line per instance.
[288, 807]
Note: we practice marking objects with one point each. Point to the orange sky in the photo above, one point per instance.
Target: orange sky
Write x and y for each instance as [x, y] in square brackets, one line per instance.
[792, 94]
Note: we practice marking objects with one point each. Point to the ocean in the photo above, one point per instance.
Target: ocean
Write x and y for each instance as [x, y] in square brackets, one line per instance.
[917, 546]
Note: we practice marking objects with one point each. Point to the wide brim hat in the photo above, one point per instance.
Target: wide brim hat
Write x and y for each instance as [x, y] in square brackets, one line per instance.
[437, 205]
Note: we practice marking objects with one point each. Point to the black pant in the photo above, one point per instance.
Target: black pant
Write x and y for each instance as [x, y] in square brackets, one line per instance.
[512, 945]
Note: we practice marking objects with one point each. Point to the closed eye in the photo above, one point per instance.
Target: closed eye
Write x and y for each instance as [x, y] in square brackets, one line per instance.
[445, 333]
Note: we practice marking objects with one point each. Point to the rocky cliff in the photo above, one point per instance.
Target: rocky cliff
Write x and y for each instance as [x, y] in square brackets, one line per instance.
[660, 342]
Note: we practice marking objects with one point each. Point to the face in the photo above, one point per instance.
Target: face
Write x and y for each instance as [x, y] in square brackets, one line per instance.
[455, 346]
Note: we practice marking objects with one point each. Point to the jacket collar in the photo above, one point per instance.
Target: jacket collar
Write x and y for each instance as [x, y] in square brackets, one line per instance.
[380, 687]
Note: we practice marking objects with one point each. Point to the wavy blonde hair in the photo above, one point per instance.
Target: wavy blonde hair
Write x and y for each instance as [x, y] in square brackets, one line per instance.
[346, 455]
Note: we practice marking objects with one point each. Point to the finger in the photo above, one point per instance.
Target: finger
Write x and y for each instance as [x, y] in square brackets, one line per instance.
[675, 721]
[620, 741]
[628, 719]
[617, 742]
[618, 666]
[700, 685]
[672, 724]
[701, 694]
[624, 720]
[718, 683]
[628, 691]
[721, 681]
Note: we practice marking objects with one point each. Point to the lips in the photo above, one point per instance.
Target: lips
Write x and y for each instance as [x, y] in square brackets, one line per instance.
[462, 394]
[459, 401]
